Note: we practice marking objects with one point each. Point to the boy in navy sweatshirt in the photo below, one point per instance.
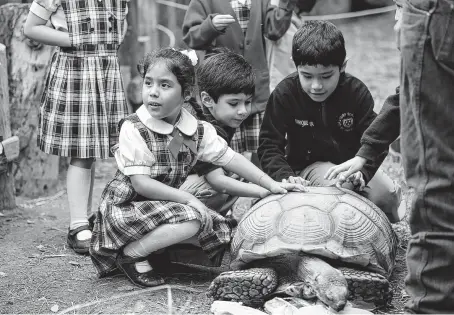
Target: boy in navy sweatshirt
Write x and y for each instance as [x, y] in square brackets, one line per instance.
[316, 116]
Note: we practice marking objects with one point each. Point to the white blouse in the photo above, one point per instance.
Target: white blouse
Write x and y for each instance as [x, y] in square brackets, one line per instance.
[53, 11]
[134, 157]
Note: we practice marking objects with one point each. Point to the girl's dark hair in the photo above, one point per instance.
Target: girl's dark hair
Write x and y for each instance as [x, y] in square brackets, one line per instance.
[225, 72]
[318, 43]
[177, 63]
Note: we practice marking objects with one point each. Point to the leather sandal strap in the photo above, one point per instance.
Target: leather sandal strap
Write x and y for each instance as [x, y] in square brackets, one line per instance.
[79, 229]
[122, 258]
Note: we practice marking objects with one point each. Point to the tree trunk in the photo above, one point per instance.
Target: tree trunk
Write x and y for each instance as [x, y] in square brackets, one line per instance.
[128, 53]
[36, 173]
[7, 198]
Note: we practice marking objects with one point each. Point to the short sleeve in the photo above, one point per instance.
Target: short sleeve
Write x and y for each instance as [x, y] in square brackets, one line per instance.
[44, 8]
[213, 148]
[133, 156]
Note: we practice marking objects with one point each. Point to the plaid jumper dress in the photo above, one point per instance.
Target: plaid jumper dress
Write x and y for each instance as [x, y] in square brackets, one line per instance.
[124, 216]
[246, 137]
[84, 97]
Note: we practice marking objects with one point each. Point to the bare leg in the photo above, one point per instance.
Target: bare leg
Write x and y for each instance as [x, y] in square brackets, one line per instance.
[162, 237]
[79, 190]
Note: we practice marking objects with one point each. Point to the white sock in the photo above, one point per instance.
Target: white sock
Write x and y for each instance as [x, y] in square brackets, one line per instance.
[143, 266]
[78, 188]
[84, 235]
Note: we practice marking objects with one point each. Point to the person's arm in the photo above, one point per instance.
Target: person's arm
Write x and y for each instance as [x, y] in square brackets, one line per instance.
[366, 116]
[227, 185]
[271, 150]
[382, 131]
[278, 18]
[198, 29]
[214, 149]
[35, 28]
[152, 189]
[375, 140]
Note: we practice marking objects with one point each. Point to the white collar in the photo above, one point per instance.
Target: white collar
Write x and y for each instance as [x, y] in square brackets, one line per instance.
[187, 123]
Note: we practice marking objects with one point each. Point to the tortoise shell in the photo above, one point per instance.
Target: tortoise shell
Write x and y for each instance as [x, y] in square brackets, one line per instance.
[330, 222]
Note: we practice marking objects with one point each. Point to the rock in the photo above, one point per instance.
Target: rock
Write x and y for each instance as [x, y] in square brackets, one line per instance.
[323, 310]
[233, 308]
[54, 308]
[278, 306]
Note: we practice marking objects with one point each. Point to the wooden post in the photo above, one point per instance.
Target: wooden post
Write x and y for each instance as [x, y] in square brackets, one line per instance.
[148, 25]
[7, 198]
[35, 173]
[128, 50]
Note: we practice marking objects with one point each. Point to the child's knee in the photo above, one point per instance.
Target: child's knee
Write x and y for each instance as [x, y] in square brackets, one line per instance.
[390, 202]
[192, 227]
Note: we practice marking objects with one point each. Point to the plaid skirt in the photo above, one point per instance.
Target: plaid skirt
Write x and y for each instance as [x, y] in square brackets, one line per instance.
[82, 103]
[124, 217]
[246, 138]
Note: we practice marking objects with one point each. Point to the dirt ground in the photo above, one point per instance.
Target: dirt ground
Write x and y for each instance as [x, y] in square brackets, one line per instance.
[39, 274]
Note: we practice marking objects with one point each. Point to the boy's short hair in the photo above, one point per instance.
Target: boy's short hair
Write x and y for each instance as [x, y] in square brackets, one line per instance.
[225, 72]
[318, 43]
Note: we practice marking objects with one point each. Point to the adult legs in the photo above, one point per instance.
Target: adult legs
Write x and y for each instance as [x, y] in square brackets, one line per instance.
[427, 143]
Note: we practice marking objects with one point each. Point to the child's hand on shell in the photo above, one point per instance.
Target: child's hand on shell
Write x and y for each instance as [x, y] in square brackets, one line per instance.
[283, 188]
[356, 179]
[296, 180]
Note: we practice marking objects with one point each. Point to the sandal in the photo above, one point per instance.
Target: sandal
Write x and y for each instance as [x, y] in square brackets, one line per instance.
[79, 246]
[146, 279]
[160, 262]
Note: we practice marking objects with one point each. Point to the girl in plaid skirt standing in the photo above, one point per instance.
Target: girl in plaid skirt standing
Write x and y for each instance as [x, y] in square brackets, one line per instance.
[83, 98]
[142, 209]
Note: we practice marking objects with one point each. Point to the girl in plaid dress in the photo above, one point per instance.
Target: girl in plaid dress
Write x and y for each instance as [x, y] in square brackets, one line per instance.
[83, 99]
[142, 209]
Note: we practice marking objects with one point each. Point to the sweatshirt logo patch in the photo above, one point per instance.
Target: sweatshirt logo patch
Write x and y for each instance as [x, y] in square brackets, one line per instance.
[346, 121]
[304, 123]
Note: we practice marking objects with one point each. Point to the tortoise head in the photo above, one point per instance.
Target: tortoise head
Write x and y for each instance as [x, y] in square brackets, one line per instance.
[332, 289]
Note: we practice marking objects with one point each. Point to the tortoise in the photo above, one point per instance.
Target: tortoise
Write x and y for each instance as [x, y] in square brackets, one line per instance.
[327, 243]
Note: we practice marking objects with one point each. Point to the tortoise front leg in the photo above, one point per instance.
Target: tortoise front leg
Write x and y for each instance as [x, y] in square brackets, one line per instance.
[249, 286]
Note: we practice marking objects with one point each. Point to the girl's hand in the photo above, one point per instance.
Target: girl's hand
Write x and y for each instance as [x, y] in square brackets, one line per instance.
[221, 21]
[204, 211]
[296, 180]
[283, 188]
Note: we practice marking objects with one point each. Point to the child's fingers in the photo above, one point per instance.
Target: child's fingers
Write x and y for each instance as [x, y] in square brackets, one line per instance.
[358, 178]
[302, 181]
[332, 173]
[298, 187]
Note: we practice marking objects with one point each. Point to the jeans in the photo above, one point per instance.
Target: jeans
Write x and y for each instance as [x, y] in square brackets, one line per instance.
[427, 145]
[381, 189]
